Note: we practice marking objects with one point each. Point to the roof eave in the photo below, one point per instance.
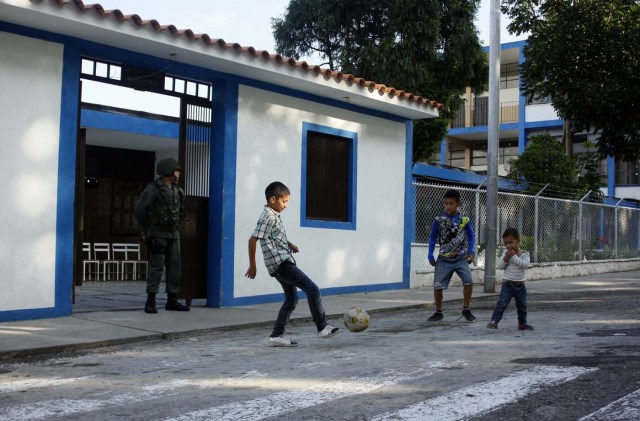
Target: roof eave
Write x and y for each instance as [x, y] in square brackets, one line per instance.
[202, 52]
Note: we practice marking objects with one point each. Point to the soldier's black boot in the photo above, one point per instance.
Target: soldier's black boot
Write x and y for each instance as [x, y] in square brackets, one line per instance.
[150, 305]
[173, 304]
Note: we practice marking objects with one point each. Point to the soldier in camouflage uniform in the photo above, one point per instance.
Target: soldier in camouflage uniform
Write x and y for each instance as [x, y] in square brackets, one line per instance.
[160, 211]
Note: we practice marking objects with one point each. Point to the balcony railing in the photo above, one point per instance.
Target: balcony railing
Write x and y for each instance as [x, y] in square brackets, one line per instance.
[478, 114]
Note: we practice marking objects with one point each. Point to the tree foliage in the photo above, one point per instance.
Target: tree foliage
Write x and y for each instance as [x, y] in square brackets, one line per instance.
[544, 162]
[585, 55]
[427, 47]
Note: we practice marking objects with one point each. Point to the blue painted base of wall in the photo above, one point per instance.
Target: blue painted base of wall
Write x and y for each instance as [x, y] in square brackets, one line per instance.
[33, 314]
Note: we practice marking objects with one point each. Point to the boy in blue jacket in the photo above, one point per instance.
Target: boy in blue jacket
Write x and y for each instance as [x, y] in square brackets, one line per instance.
[456, 238]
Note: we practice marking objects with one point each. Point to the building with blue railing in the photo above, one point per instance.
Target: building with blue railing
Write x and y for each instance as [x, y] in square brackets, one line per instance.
[465, 146]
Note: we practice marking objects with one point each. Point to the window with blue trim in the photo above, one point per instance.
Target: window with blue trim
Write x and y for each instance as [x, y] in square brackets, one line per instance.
[328, 177]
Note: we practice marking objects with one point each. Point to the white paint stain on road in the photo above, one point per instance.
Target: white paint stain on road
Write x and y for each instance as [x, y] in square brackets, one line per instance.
[66, 407]
[308, 395]
[624, 409]
[482, 398]
[25, 385]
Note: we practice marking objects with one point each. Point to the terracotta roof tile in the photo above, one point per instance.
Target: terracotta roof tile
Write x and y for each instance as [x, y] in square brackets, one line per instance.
[214, 42]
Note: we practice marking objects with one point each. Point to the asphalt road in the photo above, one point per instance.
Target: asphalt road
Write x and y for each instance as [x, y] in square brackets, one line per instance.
[582, 362]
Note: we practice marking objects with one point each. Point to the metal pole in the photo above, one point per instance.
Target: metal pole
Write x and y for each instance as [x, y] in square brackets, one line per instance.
[580, 226]
[615, 235]
[477, 221]
[535, 222]
[492, 147]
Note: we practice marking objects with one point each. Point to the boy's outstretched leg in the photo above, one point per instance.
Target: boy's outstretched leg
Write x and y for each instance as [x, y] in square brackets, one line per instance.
[277, 337]
[503, 301]
[290, 274]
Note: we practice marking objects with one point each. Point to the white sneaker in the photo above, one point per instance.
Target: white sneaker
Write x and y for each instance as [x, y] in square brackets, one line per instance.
[281, 341]
[329, 332]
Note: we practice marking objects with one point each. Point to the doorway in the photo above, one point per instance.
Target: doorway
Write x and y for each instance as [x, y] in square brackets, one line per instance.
[131, 118]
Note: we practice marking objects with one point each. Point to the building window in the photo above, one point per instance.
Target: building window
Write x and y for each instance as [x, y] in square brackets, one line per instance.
[509, 76]
[456, 155]
[627, 173]
[328, 177]
[508, 151]
[539, 100]
[479, 154]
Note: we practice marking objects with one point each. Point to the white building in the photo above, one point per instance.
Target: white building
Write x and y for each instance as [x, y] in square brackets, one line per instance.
[247, 118]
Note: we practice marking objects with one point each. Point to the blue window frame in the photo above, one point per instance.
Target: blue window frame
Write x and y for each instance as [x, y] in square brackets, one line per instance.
[329, 168]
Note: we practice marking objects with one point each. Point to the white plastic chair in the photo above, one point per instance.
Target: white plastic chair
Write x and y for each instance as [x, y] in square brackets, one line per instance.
[107, 262]
[88, 262]
[132, 257]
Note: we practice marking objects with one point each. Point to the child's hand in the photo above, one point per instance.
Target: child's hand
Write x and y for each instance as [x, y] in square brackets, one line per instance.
[469, 257]
[509, 254]
[251, 272]
[432, 262]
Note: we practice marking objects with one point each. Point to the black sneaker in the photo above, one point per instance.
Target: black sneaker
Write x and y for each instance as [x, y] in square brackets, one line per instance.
[437, 316]
[525, 326]
[468, 316]
[492, 324]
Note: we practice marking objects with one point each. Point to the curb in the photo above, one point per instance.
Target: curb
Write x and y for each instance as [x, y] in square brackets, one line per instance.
[61, 350]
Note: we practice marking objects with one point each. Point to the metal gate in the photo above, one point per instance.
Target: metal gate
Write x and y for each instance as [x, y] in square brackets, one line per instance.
[195, 147]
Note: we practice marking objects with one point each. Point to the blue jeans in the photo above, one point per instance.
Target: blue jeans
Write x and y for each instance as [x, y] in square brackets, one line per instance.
[291, 278]
[447, 266]
[511, 289]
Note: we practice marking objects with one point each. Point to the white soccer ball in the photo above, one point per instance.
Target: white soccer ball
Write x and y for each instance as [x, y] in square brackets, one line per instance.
[356, 319]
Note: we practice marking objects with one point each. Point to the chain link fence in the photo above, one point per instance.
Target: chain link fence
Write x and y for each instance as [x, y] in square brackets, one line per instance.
[552, 230]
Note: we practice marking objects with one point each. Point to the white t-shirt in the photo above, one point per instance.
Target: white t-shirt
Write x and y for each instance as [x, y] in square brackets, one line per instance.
[514, 268]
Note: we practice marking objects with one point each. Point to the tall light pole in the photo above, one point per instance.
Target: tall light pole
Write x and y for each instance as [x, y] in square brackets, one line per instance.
[492, 147]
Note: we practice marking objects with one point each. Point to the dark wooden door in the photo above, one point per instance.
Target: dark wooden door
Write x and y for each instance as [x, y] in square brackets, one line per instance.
[195, 146]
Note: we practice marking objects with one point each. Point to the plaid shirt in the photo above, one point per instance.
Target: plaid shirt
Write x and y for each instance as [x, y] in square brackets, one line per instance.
[273, 240]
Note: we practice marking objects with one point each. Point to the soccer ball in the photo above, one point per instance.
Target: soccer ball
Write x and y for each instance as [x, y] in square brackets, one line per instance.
[356, 319]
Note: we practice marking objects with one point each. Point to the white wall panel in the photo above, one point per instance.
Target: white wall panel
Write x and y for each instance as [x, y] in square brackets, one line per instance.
[30, 81]
[269, 149]
[540, 112]
[627, 192]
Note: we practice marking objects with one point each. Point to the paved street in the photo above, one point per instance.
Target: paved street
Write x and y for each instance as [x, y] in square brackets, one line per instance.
[581, 363]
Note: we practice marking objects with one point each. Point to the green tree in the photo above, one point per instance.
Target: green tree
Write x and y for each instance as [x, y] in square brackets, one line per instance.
[427, 47]
[544, 162]
[585, 55]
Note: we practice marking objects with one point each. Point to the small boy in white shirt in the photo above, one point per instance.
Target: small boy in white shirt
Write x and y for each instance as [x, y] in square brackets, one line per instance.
[514, 261]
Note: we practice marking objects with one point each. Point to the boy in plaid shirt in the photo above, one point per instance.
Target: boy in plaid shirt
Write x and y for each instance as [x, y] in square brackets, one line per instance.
[277, 252]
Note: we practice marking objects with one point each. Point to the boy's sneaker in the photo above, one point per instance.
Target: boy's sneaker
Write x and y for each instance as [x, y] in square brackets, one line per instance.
[492, 324]
[329, 332]
[468, 316]
[282, 341]
[437, 316]
[525, 326]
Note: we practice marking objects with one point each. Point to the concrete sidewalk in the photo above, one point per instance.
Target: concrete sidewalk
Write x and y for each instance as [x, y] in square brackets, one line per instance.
[92, 329]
